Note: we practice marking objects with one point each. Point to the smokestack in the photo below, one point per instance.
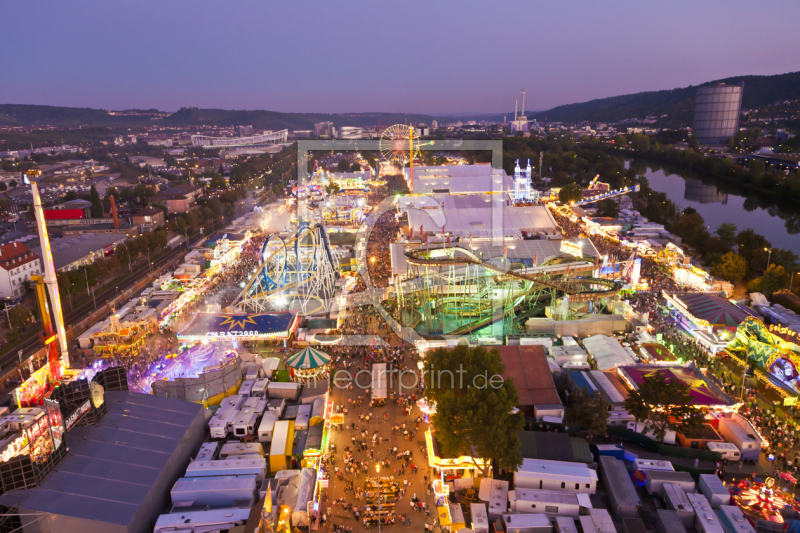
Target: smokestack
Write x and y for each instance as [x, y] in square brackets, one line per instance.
[114, 211]
[516, 103]
[523, 102]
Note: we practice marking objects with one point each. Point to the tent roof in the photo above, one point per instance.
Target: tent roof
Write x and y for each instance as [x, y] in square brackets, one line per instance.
[702, 391]
[607, 351]
[308, 358]
[714, 309]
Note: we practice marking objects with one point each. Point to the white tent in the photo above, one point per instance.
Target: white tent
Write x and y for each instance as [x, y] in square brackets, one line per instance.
[607, 352]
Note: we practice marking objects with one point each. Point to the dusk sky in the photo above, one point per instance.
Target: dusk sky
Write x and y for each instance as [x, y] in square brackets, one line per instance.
[352, 56]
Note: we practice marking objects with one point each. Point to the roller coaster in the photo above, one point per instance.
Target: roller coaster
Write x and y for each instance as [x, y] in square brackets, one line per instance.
[297, 274]
[452, 291]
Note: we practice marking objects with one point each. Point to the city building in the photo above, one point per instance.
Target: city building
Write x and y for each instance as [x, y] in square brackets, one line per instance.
[149, 218]
[145, 161]
[716, 113]
[179, 199]
[17, 264]
[245, 131]
[351, 132]
[324, 129]
[75, 251]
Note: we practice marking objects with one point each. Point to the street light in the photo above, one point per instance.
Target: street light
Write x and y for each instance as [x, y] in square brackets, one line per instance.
[769, 255]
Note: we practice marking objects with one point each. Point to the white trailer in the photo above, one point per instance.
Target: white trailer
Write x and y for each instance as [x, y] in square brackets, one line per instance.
[255, 403]
[270, 365]
[549, 501]
[303, 417]
[676, 500]
[246, 387]
[267, 425]
[202, 521]
[237, 449]
[480, 520]
[643, 465]
[733, 520]
[244, 423]
[714, 490]
[229, 467]
[597, 521]
[705, 519]
[208, 451]
[220, 423]
[555, 475]
[278, 389]
[527, 523]
[259, 388]
[233, 401]
[494, 491]
[656, 479]
[738, 431]
[277, 404]
[725, 449]
[379, 388]
[214, 491]
[669, 522]
[565, 524]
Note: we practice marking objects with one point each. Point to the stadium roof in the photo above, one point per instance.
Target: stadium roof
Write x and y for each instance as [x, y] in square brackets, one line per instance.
[119, 472]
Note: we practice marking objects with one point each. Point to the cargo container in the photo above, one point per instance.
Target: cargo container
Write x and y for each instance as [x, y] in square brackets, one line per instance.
[303, 417]
[246, 388]
[675, 499]
[220, 423]
[527, 523]
[480, 519]
[229, 467]
[733, 520]
[215, 491]
[289, 391]
[202, 521]
[259, 389]
[281, 447]
[277, 404]
[244, 423]
[725, 449]
[235, 449]
[613, 450]
[623, 499]
[457, 522]
[548, 501]
[267, 425]
[208, 451]
[739, 432]
[317, 412]
[714, 490]
[705, 519]
[495, 492]
[555, 475]
[633, 525]
[597, 521]
[565, 524]
[669, 521]
[655, 479]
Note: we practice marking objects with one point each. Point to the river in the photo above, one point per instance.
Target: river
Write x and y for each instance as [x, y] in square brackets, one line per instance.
[717, 206]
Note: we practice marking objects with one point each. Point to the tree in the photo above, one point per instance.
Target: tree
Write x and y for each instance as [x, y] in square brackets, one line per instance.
[475, 407]
[97, 204]
[332, 188]
[3, 186]
[733, 267]
[161, 206]
[727, 233]
[607, 208]
[20, 317]
[588, 409]
[122, 253]
[641, 142]
[12, 184]
[217, 182]
[570, 194]
[773, 280]
[356, 167]
[343, 166]
[664, 406]
[620, 141]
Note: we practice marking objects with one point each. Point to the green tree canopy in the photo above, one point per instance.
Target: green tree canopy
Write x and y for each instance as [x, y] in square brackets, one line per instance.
[97, 204]
[588, 409]
[727, 233]
[773, 280]
[664, 406]
[343, 166]
[607, 208]
[476, 412]
[733, 267]
[20, 317]
[570, 194]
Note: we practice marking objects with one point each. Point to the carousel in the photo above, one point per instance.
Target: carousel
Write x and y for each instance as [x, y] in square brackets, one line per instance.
[763, 500]
[308, 364]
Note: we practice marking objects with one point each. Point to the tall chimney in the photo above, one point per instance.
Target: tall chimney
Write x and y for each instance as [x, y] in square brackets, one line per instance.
[114, 211]
[523, 102]
[516, 104]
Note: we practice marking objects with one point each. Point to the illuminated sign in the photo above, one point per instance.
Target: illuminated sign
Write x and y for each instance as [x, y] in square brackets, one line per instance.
[783, 330]
[74, 417]
[571, 248]
[790, 401]
[14, 448]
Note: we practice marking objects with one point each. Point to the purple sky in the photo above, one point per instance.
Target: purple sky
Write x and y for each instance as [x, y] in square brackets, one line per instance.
[350, 56]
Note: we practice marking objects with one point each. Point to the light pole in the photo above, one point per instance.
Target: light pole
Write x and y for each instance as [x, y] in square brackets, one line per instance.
[790, 282]
[378, 469]
[88, 289]
[769, 255]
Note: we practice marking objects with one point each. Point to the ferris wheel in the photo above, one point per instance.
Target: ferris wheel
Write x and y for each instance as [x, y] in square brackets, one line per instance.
[398, 143]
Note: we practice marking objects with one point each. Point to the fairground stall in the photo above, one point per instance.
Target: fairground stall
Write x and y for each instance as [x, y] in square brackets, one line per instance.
[309, 363]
